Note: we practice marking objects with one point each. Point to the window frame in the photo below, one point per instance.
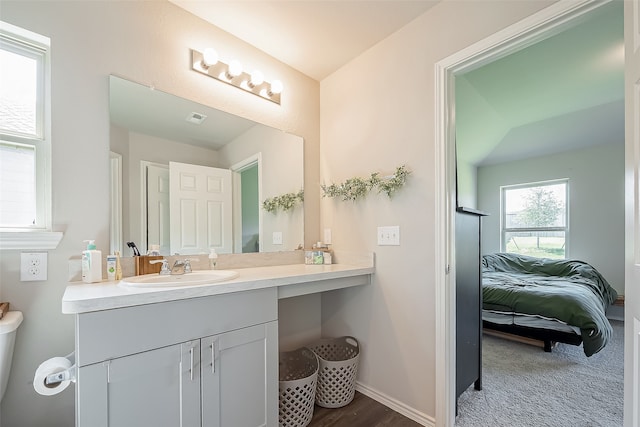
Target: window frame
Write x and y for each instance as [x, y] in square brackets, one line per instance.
[39, 235]
[503, 213]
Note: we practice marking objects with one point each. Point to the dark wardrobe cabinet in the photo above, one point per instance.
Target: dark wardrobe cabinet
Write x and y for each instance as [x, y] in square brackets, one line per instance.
[468, 300]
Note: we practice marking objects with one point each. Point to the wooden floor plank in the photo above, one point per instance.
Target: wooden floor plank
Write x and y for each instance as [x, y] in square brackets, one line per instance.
[361, 412]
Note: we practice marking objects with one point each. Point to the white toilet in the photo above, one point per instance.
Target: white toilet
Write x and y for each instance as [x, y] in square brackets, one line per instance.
[8, 326]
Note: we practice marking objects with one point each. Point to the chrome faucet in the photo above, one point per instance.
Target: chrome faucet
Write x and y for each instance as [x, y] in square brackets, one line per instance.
[164, 270]
[181, 267]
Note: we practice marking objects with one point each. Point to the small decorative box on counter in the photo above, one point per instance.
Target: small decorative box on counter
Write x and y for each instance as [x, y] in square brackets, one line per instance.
[321, 255]
[143, 266]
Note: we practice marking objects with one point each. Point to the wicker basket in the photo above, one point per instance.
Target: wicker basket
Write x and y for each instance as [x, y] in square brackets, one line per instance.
[297, 387]
[338, 359]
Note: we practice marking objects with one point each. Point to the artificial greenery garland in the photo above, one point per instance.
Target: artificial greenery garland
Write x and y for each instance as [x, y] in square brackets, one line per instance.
[355, 188]
[285, 202]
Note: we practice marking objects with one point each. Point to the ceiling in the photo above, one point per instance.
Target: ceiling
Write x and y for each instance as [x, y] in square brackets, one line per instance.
[149, 111]
[561, 94]
[316, 37]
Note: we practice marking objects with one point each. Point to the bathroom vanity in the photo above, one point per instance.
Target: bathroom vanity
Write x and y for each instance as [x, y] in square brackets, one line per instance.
[204, 355]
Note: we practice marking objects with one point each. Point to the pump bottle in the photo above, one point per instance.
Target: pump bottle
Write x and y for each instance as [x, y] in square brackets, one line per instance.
[213, 259]
[91, 263]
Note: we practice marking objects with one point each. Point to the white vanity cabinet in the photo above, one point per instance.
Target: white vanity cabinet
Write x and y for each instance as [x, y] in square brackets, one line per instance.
[187, 356]
[207, 361]
[149, 388]
[235, 378]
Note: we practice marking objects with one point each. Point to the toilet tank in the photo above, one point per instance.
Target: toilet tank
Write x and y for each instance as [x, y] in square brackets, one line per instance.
[8, 326]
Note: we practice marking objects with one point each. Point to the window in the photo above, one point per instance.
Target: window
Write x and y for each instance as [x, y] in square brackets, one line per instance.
[25, 188]
[535, 220]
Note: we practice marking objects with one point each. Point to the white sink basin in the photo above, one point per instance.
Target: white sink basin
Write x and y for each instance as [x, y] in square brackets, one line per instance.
[203, 277]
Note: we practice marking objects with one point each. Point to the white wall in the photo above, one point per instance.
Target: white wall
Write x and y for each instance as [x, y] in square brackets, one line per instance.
[466, 178]
[147, 42]
[596, 203]
[377, 112]
[282, 173]
[471, 145]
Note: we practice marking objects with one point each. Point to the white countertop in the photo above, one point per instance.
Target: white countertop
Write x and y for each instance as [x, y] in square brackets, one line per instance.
[291, 280]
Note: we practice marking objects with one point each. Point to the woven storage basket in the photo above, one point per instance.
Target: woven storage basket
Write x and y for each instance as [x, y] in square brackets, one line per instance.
[338, 359]
[297, 387]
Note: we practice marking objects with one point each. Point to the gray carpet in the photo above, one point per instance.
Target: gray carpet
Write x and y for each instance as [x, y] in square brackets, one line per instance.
[525, 387]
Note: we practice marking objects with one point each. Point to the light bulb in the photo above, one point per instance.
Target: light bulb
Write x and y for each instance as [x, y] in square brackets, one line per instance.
[235, 68]
[257, 78]
[209, 57]
[276, 87]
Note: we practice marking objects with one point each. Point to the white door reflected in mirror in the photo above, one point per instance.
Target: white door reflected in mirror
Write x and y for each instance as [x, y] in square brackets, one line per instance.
[200, 209]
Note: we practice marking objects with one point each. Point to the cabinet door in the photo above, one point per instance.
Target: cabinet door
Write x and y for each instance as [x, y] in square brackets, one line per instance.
[240, 378]
[154, 388]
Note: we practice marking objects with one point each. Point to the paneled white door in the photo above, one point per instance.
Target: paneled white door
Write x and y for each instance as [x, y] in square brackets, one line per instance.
[632, 232]
[200, 201]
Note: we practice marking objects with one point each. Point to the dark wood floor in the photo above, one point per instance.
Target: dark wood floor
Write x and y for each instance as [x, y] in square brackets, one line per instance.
[361, 412]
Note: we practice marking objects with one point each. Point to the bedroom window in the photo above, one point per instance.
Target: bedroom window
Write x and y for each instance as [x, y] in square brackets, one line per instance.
[534, 219]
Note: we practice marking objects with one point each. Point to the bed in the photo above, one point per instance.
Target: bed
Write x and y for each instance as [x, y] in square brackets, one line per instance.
[545, 299]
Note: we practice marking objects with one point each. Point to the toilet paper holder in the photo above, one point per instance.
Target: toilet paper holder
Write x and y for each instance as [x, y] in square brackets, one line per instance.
[66, 375]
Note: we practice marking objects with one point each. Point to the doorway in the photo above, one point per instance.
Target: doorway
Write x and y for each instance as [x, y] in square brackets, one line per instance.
[250, 209]
[540, 26]
[247, 213]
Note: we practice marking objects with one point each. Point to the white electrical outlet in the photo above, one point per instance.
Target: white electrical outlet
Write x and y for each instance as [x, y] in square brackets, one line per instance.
[389, 236]
[33, 266]
[277, 237]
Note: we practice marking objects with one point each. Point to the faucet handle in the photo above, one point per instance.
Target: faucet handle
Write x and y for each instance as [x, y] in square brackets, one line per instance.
[187, 266]
[164, 270]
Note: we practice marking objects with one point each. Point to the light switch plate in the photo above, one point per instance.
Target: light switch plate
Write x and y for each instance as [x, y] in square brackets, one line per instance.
[33, 266]
[389, 235]
[277, 237]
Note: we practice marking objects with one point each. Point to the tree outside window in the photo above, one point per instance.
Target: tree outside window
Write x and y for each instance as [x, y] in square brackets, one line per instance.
[535, 219]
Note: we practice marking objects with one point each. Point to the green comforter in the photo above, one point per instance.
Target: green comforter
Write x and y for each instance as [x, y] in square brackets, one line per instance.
[571, 291]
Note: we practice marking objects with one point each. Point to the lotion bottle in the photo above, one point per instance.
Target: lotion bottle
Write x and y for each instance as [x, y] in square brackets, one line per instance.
[91, 263]
[112, 262]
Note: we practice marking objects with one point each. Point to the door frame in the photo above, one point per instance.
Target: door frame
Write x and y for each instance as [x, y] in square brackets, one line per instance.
[537, 27]
[632, 214]
[115, 183]
[144, 190]
[236, 168]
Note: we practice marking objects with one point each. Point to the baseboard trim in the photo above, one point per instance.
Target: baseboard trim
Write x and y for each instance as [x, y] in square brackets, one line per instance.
[396, 405]
[616, 310]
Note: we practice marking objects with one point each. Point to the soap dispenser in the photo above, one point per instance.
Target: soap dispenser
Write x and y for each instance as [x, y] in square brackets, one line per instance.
[213, 259]
[91, 263]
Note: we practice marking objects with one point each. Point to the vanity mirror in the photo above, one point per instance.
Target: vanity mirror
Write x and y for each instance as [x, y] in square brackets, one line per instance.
[189, 178]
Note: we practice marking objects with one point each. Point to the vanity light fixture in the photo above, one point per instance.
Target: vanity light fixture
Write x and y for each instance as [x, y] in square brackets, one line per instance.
[207, 62]
[209, 57]
[257, 78]
[234, 69]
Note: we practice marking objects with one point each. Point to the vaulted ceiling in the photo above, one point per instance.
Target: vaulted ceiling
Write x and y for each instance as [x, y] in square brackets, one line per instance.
[563, 93]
